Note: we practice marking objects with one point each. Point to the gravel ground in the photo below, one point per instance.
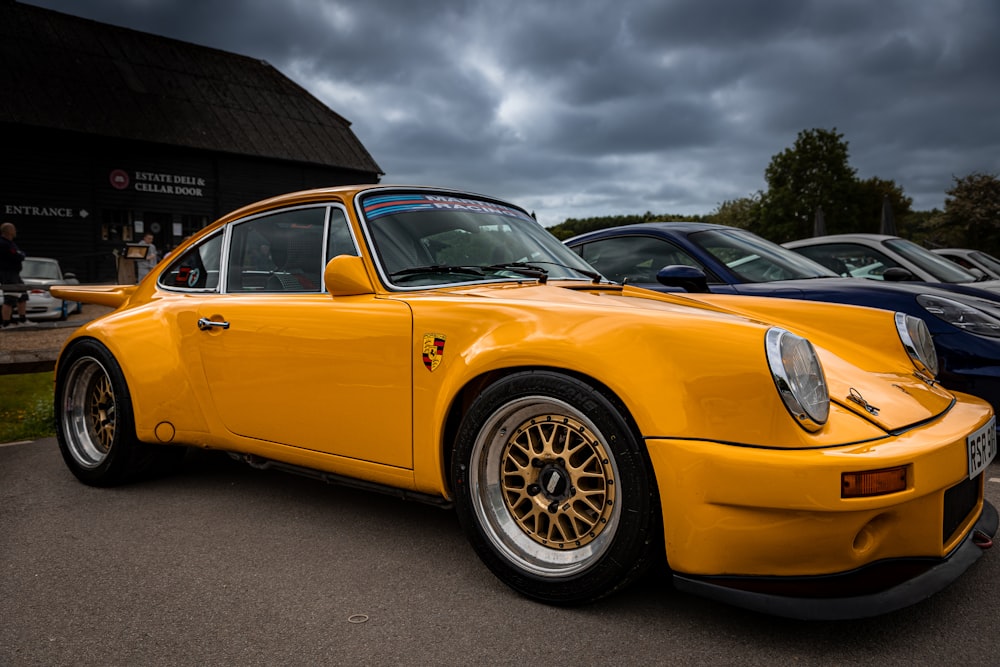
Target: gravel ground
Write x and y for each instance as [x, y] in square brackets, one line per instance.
[46, 335]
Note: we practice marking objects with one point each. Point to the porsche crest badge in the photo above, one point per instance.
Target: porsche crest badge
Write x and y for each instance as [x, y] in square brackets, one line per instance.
[433, 350]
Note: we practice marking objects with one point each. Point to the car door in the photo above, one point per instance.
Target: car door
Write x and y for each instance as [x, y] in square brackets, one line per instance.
[312, 372]
[287, 363]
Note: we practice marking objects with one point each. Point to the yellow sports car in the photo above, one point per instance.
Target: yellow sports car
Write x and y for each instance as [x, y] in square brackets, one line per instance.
[797, 458]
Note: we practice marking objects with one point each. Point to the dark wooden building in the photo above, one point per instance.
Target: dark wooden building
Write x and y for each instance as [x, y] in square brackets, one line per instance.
[107, 133]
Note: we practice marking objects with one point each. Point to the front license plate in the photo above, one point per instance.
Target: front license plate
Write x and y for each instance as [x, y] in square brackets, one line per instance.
[982, 447]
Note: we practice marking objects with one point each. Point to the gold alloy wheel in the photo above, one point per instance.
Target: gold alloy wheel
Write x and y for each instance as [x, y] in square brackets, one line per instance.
[557, 482]
[543, 486]
[89, 416]
[101, 404]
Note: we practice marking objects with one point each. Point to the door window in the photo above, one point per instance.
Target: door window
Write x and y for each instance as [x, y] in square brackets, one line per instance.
[281, 252]
[633, 259]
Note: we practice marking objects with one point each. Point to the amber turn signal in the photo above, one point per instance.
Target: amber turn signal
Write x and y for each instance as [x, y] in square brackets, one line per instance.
[872, 482]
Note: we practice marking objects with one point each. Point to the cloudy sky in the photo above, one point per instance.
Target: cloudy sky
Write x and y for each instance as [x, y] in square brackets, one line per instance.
[579, 108]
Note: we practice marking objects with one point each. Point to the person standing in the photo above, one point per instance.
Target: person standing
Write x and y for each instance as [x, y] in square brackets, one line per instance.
[11, 259]
[146, 265]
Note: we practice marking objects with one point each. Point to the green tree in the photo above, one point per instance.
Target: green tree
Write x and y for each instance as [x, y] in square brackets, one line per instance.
[928, 229]
[743, 212]
[813, 173]
[871, 194]
[972, 213]
[573, 226]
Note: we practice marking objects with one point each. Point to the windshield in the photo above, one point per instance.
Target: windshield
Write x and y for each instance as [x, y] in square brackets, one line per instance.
[425, 239]
[756, 260]
[941, 268]
[989, 261]
[40, 270]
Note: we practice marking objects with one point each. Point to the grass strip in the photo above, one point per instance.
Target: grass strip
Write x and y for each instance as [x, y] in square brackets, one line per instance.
[26, 411]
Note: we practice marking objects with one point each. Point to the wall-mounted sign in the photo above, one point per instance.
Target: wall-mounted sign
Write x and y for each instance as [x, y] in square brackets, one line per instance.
[35, 211]
[156, 182]
[119, 179]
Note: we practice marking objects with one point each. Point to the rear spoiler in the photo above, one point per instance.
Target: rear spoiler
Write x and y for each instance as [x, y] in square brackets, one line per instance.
[102, 295]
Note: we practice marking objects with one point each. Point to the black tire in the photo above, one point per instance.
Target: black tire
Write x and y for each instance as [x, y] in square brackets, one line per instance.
[95, 426]
[554, 490]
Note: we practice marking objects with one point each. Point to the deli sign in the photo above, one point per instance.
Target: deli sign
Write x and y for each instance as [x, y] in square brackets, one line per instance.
[158, 183]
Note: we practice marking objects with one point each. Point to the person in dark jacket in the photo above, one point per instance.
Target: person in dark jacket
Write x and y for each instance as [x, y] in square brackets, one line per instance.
[11, 259]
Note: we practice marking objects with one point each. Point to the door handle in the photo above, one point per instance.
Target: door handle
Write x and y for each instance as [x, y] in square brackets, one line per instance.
[205, 324]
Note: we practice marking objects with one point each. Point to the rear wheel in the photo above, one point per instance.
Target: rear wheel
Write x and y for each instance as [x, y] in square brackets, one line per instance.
[554, 490]
[95, 426]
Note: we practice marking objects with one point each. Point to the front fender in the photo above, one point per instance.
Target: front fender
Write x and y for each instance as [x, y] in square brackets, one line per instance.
[698, 375]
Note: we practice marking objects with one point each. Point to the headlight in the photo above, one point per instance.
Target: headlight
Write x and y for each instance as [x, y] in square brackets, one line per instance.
[799, 378]
[917, 341]
[963, 316]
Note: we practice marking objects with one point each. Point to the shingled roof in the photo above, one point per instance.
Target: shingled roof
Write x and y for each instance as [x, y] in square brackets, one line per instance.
[63, 72]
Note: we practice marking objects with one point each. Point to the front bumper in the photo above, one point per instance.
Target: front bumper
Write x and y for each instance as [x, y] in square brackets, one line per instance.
[45, 307]
[769, 528]
[872, 590]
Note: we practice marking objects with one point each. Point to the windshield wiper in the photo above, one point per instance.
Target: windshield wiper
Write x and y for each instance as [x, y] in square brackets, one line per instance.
[520, 267]
[523, 268]
[437, 268]
[593, 275]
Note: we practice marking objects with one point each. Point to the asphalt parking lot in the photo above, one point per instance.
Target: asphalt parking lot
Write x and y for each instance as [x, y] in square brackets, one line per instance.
[224, 564]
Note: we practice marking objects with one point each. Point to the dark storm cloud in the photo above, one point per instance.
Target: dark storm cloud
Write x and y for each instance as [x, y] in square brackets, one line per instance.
[581, 108]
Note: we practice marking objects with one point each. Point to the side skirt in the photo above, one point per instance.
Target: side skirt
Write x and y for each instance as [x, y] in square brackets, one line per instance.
[261, 463]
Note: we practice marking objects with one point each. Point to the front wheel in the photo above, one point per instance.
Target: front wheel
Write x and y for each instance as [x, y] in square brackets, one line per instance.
[554, 490]
[95, 427]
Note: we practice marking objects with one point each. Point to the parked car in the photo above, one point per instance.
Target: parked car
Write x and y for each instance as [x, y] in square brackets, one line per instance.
[443, 346]
[972, 260]
[965, 325]
[890, 258]
[40, 273]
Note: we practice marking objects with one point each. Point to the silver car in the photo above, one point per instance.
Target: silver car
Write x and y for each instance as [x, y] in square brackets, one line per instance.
[39, 273]
[881, 257]
[972, 260]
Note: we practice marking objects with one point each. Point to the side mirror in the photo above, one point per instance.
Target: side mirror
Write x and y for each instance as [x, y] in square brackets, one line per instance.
[345, 275]
[69, 276]
[897, 274]
[688, 278]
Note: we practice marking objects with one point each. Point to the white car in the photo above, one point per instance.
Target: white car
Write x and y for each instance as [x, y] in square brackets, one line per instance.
[881, 257]
[972, 259]
[39, 273]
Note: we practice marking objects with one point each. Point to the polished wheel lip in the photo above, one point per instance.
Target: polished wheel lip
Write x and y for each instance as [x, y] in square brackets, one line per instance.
[508, 530]
[89, 416]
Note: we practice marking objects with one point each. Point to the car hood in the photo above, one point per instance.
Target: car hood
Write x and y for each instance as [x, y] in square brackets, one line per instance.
[989, 285]
[41, 282]
[874, 294]
[862, 355]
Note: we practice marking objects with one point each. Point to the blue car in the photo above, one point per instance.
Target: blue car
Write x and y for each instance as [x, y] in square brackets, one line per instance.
[703, 257]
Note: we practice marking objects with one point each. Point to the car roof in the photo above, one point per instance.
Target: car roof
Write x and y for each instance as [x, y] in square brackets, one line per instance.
[348, 192]
[664, 227]
[835, 238]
